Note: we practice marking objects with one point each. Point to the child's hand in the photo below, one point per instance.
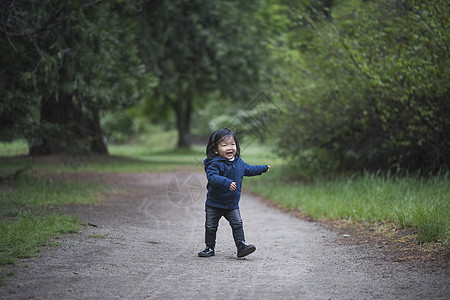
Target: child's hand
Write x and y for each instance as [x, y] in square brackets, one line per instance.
[233, 186]
[268, 169]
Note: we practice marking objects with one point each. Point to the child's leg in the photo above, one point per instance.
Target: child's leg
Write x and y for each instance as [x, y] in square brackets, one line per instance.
[213, 216]
[234, 218]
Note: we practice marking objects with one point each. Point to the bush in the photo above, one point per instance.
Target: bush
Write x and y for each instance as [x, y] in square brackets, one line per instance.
[374, 90]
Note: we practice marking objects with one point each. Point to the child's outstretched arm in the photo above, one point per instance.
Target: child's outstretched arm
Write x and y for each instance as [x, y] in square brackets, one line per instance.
[253, 170]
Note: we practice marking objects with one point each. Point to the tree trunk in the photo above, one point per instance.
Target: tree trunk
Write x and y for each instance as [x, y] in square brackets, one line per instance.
[183, 110]
[95, 132]
[64, 128]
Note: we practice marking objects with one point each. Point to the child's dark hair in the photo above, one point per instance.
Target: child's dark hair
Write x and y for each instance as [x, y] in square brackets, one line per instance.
[214, 140]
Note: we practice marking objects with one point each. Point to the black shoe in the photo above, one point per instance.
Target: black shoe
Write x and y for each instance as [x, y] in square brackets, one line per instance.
[209, 251]
[244, 250]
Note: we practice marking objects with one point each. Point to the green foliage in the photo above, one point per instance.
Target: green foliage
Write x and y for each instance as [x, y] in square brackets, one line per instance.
[118, 126]
[67, 62]
[251, 121]
[197, 49]
[371, 90]
[410, 201]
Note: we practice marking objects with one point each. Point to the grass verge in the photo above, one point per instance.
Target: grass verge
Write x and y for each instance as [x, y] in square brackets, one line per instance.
[117, 161]
[24, 236]
[29, 217]
[32, 193]
[408, 201]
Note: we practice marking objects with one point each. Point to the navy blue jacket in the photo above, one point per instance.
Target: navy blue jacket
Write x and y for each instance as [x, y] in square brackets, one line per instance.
[220, 173]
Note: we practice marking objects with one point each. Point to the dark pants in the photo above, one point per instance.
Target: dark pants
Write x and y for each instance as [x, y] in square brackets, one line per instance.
[213, 215]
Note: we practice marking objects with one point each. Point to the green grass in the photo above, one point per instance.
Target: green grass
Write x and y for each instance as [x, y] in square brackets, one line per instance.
[157, 162]
[25, 236]
[29, 217]
[122, 158]
[409, 201]
[97, 236]
[31, 192]
[15, 148]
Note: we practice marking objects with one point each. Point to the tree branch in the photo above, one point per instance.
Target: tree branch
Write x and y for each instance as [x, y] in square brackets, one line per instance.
[45, 27]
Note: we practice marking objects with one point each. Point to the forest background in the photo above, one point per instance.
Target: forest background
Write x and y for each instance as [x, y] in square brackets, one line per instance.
[349, 85]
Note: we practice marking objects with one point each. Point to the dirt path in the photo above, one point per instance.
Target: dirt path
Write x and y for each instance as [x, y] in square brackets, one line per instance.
[147, 240]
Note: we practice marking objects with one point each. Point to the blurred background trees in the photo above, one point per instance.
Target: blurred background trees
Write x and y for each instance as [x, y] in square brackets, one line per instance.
[64, 63]
[359, 85]
[371, 88]
[202, 51]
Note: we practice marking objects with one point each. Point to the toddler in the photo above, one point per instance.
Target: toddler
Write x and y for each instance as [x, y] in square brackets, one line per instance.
[225, 171]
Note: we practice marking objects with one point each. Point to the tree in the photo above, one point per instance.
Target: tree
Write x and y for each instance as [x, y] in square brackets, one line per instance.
[79, 58]
[196, 48]
[372, 91]
[18, 103]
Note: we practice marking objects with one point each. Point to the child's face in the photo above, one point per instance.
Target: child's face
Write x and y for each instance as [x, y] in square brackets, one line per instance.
[226, 147]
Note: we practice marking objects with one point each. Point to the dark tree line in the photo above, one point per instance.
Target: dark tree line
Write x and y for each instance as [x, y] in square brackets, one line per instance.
[62, 64]
[362, 84]
[66, 63]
